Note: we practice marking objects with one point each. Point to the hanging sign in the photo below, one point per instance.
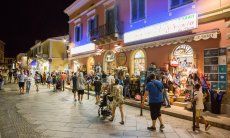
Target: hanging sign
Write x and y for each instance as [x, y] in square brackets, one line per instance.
[181, 24]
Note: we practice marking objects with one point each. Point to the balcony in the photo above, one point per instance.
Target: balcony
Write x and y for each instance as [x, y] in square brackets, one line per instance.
[107, 33]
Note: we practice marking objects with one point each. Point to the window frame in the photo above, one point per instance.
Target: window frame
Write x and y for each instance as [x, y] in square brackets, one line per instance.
[181, 4]
[94, 20]
[138, 16]
[80, 33]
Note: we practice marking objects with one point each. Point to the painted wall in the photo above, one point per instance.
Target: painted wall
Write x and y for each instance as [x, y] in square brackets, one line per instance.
[58, 49]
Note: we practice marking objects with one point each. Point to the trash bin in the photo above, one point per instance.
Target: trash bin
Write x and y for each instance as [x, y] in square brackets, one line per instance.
[216, 100]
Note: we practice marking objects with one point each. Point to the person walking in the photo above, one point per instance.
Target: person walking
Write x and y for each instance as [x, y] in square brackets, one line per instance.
[80, 86]
[97, 86]
[28, 82]
[10, 75]
[74, 86]
[49, 79]
[127, 86]
[21, 82]
[165, 92]
[54, 82]
[37, 79]
[198, 98]
[15, 76]
[154, 90]
[63, 79]
[118, 100]
[44, 78]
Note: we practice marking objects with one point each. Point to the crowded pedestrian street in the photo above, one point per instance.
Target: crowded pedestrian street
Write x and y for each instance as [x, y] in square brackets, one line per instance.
[55, 114]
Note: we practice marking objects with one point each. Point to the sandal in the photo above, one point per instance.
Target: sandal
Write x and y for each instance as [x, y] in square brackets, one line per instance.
[122, 122]
[111, 119]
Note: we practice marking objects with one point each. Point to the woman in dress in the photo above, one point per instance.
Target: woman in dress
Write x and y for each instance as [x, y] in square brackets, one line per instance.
[118, 100]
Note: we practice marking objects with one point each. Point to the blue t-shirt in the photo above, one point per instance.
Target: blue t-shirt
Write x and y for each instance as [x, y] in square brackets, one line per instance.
[155, 91]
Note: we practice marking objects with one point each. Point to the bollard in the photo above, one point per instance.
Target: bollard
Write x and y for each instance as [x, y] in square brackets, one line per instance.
[193, 114]
[88, 91]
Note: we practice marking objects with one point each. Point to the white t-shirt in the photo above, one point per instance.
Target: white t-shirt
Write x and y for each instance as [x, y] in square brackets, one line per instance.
[199, 99]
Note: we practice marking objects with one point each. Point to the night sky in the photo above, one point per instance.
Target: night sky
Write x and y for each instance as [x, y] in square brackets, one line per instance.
[24, 21]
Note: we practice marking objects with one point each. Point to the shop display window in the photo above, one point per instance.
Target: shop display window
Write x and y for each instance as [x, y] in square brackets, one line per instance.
[139, 62]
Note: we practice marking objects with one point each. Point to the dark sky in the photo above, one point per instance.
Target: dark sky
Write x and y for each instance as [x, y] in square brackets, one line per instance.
[24, 21]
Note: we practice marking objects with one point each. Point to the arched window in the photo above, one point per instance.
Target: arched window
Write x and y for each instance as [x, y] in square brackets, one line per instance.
[139, 62]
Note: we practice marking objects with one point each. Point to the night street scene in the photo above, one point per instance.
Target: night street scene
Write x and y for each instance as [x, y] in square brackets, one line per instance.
[115, 69]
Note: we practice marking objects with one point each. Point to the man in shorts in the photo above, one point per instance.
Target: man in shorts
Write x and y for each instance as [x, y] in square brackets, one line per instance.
[21, 82]
[154, 90]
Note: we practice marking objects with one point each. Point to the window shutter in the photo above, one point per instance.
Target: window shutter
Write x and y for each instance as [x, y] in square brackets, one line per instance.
[96, 24]
[134, 9]
[89, 27]
[175, 3]
[81, 31]
[76, 33]
[141, 9]
[116, 18]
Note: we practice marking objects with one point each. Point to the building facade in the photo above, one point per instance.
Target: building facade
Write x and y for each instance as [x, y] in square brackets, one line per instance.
[176, 36]
[49, 55]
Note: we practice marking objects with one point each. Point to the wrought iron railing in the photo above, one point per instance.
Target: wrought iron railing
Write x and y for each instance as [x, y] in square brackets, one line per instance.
[106, 30]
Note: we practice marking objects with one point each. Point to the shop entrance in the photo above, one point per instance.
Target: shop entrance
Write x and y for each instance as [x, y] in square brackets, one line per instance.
[90, 65]
[138, 62]
[109, 62]
[182, 65]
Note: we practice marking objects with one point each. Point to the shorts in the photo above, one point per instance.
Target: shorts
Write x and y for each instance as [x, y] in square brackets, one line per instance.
[199, 112]
[21, 84]
[74, 90]
[155, 110]
[81, 92]
[97, 93]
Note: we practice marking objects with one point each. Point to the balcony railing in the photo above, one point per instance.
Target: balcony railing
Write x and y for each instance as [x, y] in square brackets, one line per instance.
[106, 30]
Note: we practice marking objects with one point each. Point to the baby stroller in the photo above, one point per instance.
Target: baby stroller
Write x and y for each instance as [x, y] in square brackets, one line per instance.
[58, 86]
[104, 107]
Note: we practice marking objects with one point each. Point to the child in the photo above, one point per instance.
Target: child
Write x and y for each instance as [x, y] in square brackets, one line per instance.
[198, 97]
[97, 85]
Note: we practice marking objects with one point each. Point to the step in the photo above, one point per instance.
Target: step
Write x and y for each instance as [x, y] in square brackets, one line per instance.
[180, 104]
[180, 99]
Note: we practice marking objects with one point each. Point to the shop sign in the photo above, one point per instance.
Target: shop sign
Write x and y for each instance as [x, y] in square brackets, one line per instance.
[181, 24]
[121, 59]
[82, 49]
[110, 57]
[183, 50]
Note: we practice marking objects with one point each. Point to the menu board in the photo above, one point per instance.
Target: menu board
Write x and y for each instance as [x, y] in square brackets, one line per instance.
[215, 67]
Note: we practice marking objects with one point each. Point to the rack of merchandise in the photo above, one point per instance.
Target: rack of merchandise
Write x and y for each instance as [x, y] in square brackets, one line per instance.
[215, 68]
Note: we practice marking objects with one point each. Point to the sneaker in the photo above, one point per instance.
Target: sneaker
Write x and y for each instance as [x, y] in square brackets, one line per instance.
[162, 126]
[111, 119]
[122, 122]
[207, 126]
[151, 128]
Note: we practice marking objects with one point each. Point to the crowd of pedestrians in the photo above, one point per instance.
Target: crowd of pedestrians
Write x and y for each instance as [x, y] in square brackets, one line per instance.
[156, 89]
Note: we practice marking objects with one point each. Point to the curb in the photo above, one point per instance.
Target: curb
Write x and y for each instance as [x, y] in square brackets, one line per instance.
[212, 123]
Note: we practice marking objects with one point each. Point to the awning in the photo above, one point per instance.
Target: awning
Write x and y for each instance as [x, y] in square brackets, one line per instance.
[211, 34]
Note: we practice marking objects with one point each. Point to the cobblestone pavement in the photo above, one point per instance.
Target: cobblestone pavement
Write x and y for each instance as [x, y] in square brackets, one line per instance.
[49, 114]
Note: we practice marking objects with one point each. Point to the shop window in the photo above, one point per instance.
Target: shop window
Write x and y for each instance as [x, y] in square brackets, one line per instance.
[177, 3]
[78, 33]
[138, 10]
[139, 62]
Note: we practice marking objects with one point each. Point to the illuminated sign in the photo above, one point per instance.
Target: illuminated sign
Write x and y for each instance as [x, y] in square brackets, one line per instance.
[82, 49]
[184, 23]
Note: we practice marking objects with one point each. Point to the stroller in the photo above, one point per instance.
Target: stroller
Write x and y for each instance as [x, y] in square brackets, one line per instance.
[58, 86]
[104, 107]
